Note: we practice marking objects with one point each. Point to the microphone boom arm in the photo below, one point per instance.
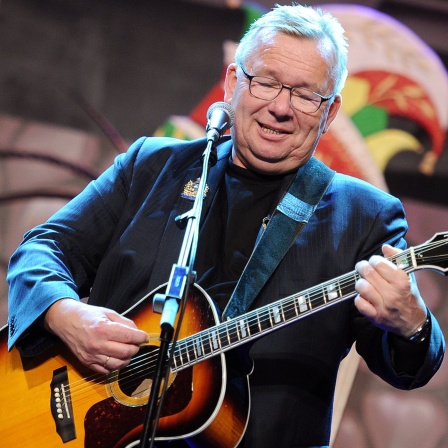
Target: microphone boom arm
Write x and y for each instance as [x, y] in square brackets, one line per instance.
[221, 118]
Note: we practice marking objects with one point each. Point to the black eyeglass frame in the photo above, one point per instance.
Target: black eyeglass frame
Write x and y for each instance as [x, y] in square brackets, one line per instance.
[251, 77]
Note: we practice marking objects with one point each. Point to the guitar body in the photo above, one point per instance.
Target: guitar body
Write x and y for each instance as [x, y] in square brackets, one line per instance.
[203, 406]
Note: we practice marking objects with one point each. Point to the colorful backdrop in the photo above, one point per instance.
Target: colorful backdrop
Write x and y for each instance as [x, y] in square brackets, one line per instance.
[83, 79]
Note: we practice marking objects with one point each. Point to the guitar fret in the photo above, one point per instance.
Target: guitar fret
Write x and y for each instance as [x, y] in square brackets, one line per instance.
[214, 341]
[242, 330]
[205, 343]
[265, 323]
[183, 353]
[233, 336]
[175, 366]
[194, 351]
[254, 326]
[187, 354]
[176, 359]
[323, 299]
[289, 310]
[339, 289]
[224, 336]
[178, 356]
[348, 287]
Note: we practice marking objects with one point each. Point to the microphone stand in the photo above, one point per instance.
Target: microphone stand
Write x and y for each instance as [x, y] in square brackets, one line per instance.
[182, 276]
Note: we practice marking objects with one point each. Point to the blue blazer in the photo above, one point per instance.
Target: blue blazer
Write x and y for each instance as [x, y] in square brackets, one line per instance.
[118, 240]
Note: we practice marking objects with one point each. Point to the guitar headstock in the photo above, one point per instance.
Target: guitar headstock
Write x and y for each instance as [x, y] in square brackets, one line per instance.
[433, 254]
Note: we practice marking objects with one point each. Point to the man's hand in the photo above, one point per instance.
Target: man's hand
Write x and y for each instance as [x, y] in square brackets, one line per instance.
[101, 338]
[388, 296]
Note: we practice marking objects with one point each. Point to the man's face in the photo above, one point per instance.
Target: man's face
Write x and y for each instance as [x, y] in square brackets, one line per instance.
[271, 136]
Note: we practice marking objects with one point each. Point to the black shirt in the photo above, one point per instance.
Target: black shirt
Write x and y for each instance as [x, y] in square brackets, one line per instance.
[232, 226]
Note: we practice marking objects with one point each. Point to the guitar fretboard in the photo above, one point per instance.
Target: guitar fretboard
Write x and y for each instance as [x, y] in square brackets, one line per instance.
[254, 324]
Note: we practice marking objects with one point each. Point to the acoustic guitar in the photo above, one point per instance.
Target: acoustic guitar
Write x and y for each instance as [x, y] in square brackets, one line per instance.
[52, 400]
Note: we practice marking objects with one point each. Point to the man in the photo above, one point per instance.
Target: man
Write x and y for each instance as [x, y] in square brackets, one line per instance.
[117, 240]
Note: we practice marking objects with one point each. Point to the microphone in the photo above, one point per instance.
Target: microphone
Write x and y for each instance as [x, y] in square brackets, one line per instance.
[220, 118]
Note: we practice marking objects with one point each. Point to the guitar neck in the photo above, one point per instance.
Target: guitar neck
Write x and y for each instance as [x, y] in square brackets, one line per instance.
[259, 322]
[271, 317]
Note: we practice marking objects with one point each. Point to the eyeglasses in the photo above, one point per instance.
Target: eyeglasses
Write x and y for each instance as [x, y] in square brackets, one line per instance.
[301, 99]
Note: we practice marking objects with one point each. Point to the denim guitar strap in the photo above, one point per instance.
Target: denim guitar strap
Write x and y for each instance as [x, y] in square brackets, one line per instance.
[290, 217]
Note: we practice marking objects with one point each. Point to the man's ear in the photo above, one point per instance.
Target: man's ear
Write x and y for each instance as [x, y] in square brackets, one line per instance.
[333, 111]
[230, 82]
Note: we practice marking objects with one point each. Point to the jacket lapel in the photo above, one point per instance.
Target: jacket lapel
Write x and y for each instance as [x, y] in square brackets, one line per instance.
[171, 242]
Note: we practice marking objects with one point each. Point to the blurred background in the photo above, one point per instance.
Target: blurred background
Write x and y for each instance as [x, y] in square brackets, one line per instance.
[80, 80]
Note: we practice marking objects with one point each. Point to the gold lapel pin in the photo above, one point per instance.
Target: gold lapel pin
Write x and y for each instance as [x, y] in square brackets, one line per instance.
[191, 190]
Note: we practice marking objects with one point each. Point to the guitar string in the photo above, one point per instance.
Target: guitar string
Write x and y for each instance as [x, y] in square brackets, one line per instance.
[148, 361]
[232, 332]
[229, 329]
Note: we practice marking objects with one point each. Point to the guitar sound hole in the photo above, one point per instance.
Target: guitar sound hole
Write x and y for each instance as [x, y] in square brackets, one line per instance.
[135, 379]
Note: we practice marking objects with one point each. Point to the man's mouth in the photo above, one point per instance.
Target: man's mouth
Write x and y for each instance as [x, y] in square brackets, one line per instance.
[269, 130]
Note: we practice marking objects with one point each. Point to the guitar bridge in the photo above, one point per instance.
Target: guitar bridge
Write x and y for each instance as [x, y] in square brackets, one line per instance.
[61, 405]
